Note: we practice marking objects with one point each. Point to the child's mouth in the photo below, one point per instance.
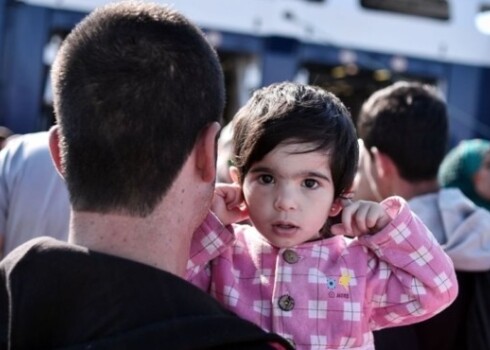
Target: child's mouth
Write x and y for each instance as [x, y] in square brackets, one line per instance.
[284, 229]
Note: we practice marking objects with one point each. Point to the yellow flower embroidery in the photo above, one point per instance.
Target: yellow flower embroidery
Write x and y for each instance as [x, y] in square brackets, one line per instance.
[344, 280]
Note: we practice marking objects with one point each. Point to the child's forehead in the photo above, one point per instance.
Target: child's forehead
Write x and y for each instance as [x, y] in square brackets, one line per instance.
[302, 149]
[299, 146]
[294, 161]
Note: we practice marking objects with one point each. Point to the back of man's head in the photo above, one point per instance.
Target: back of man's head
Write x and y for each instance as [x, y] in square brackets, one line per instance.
[134, 85]
[408, 122]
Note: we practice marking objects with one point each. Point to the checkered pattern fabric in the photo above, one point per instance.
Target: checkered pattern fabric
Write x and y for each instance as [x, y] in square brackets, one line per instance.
[331, 293]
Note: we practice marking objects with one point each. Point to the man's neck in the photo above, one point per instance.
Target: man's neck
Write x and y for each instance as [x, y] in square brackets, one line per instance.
[159, 240]
[408, 190]
[163, 238]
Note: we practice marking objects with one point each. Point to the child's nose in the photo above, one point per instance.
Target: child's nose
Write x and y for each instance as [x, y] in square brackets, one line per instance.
[285, 200]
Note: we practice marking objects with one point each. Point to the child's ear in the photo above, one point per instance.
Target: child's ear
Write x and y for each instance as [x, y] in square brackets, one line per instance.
[336, 207]
[234, 174]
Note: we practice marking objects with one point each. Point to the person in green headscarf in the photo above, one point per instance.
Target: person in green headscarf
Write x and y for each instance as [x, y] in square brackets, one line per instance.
[467, 167]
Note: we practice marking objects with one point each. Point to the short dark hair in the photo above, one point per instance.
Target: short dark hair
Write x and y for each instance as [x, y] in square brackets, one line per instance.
[290, 112]
[408, 122]
[134, 85]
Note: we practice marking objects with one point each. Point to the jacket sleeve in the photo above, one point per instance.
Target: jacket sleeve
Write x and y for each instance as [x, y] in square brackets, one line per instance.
[467, 229]
[209, 241]
[411, 278]
[4, 192]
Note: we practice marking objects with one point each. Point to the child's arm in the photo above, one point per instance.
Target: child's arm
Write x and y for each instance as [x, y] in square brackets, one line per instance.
[209, 240]
[214, 235]
[410, 277]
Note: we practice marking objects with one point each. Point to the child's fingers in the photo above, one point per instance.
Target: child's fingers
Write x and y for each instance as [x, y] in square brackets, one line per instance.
[361, 218]
[381, 220]
[231, 194]
[374, 212]
[346, 202]
[348, 211]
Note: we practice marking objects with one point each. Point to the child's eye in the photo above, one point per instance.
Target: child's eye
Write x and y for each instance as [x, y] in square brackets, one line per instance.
[266, 179]
[310, 183]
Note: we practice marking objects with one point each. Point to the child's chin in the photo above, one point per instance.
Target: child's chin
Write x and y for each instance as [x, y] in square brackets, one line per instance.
[283, 245]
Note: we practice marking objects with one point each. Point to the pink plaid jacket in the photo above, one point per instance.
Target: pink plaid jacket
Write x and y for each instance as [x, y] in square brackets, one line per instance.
[330, 293]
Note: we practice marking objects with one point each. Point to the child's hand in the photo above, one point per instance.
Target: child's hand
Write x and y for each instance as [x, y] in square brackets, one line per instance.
[228, 203]
[361, 217]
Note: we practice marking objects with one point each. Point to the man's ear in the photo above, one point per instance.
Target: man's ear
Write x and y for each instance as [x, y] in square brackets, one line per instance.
[385, 167]
[54, 148]
[234, 174]
[206, 152]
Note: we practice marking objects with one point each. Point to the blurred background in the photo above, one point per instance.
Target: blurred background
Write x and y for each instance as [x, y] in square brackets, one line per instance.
[350, 47]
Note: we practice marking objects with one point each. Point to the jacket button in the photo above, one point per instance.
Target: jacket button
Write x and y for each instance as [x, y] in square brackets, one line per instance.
[290, 256]
[286, 303]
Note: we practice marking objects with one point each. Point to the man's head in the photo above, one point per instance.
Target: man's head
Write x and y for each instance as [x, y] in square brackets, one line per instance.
[407, 124]
[135, 85]
[289, 112]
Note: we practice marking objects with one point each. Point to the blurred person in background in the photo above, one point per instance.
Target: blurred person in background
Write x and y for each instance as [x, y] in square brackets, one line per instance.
[467, 167]
[225, 146]
[5, 133]
[365, 182]
[404, 128]
[33, 197]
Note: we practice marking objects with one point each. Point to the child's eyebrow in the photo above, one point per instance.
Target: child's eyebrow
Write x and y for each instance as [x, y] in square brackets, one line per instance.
[261, 169]
[315, 174]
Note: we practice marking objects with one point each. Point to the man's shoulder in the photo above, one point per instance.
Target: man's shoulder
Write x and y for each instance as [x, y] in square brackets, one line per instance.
[58, 259]
[39, 249]
[144, 306]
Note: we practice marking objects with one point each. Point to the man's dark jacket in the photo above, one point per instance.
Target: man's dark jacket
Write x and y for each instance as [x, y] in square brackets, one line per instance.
[57, 295]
